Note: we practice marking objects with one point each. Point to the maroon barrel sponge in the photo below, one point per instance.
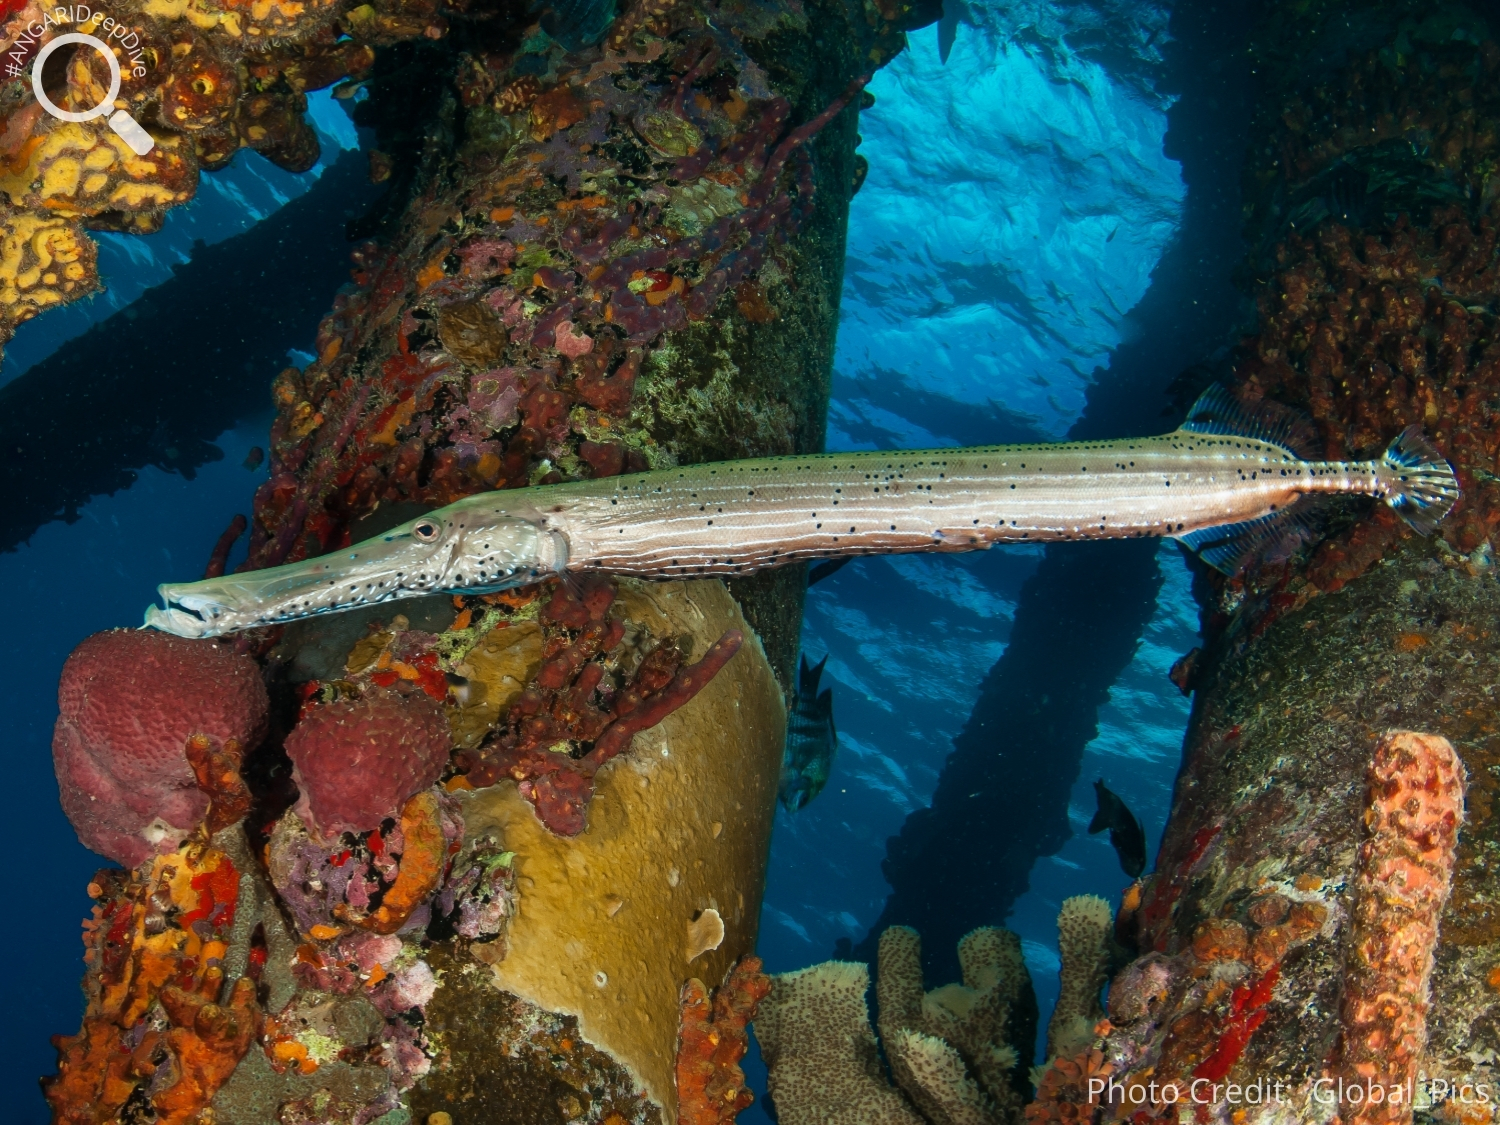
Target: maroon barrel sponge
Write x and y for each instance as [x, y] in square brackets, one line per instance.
[356, 761]
[129, 701]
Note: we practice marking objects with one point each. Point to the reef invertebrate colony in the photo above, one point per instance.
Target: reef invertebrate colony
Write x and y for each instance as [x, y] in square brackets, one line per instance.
[1231, 494]
[560, 298]
[713, 1038]
[140, 716]
[610, 200]
[674, 830]
[163, 1028]
[1084, 927]
[1405, 871]
[1218, 1006]
[814, 1033]
[357, 761]
[960, 1054]
[204, 82]
[555, 718]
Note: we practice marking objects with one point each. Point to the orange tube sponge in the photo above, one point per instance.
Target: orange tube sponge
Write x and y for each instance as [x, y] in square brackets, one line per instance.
[712, 1039]
[1416, 805]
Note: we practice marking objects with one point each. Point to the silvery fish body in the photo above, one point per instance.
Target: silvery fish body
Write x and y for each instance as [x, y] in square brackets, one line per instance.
[811, 739]
[1212, 484]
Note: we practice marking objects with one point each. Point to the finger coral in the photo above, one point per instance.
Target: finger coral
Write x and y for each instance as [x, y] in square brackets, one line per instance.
[959, 1053]
[136, 708]
[1083, 931]
[356, 761]
[814, 1033]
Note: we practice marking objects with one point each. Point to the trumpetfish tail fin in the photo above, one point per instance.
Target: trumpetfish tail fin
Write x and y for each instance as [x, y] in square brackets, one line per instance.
[1423, 486]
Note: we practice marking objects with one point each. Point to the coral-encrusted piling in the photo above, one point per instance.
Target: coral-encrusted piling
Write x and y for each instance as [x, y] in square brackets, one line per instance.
[1280, 940]
[488, 839]
[1405, 872]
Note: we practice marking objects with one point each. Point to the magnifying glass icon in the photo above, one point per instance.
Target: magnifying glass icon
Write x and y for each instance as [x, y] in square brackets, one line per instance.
[127, 128]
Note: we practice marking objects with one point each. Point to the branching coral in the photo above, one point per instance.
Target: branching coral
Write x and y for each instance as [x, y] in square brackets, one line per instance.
[953, 1051]
[1083, 934]
[814, 1033]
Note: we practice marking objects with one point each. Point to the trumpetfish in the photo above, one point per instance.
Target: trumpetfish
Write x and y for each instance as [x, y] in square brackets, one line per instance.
[1224, 484]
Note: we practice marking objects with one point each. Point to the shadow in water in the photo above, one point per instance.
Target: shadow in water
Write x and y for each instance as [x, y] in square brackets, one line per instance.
[158, 381]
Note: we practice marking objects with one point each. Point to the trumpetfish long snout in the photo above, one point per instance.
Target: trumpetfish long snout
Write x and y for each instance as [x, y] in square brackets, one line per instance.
[1224, 484]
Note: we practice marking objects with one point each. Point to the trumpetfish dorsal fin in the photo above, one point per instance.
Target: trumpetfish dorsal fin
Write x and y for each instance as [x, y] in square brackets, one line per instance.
[1220, 411]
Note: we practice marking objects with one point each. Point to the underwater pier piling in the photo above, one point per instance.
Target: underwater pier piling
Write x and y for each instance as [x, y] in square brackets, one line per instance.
[597, 253]
[1264, 937]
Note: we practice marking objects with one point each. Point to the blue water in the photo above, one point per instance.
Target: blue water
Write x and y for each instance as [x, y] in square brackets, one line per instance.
[1017, 202]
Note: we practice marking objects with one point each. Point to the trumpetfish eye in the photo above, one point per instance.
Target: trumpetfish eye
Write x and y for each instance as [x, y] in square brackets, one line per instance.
[426, 530]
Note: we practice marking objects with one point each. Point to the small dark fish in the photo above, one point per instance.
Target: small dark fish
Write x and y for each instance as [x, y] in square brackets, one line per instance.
[254, 458]
[810, 739]
[1125, 832]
